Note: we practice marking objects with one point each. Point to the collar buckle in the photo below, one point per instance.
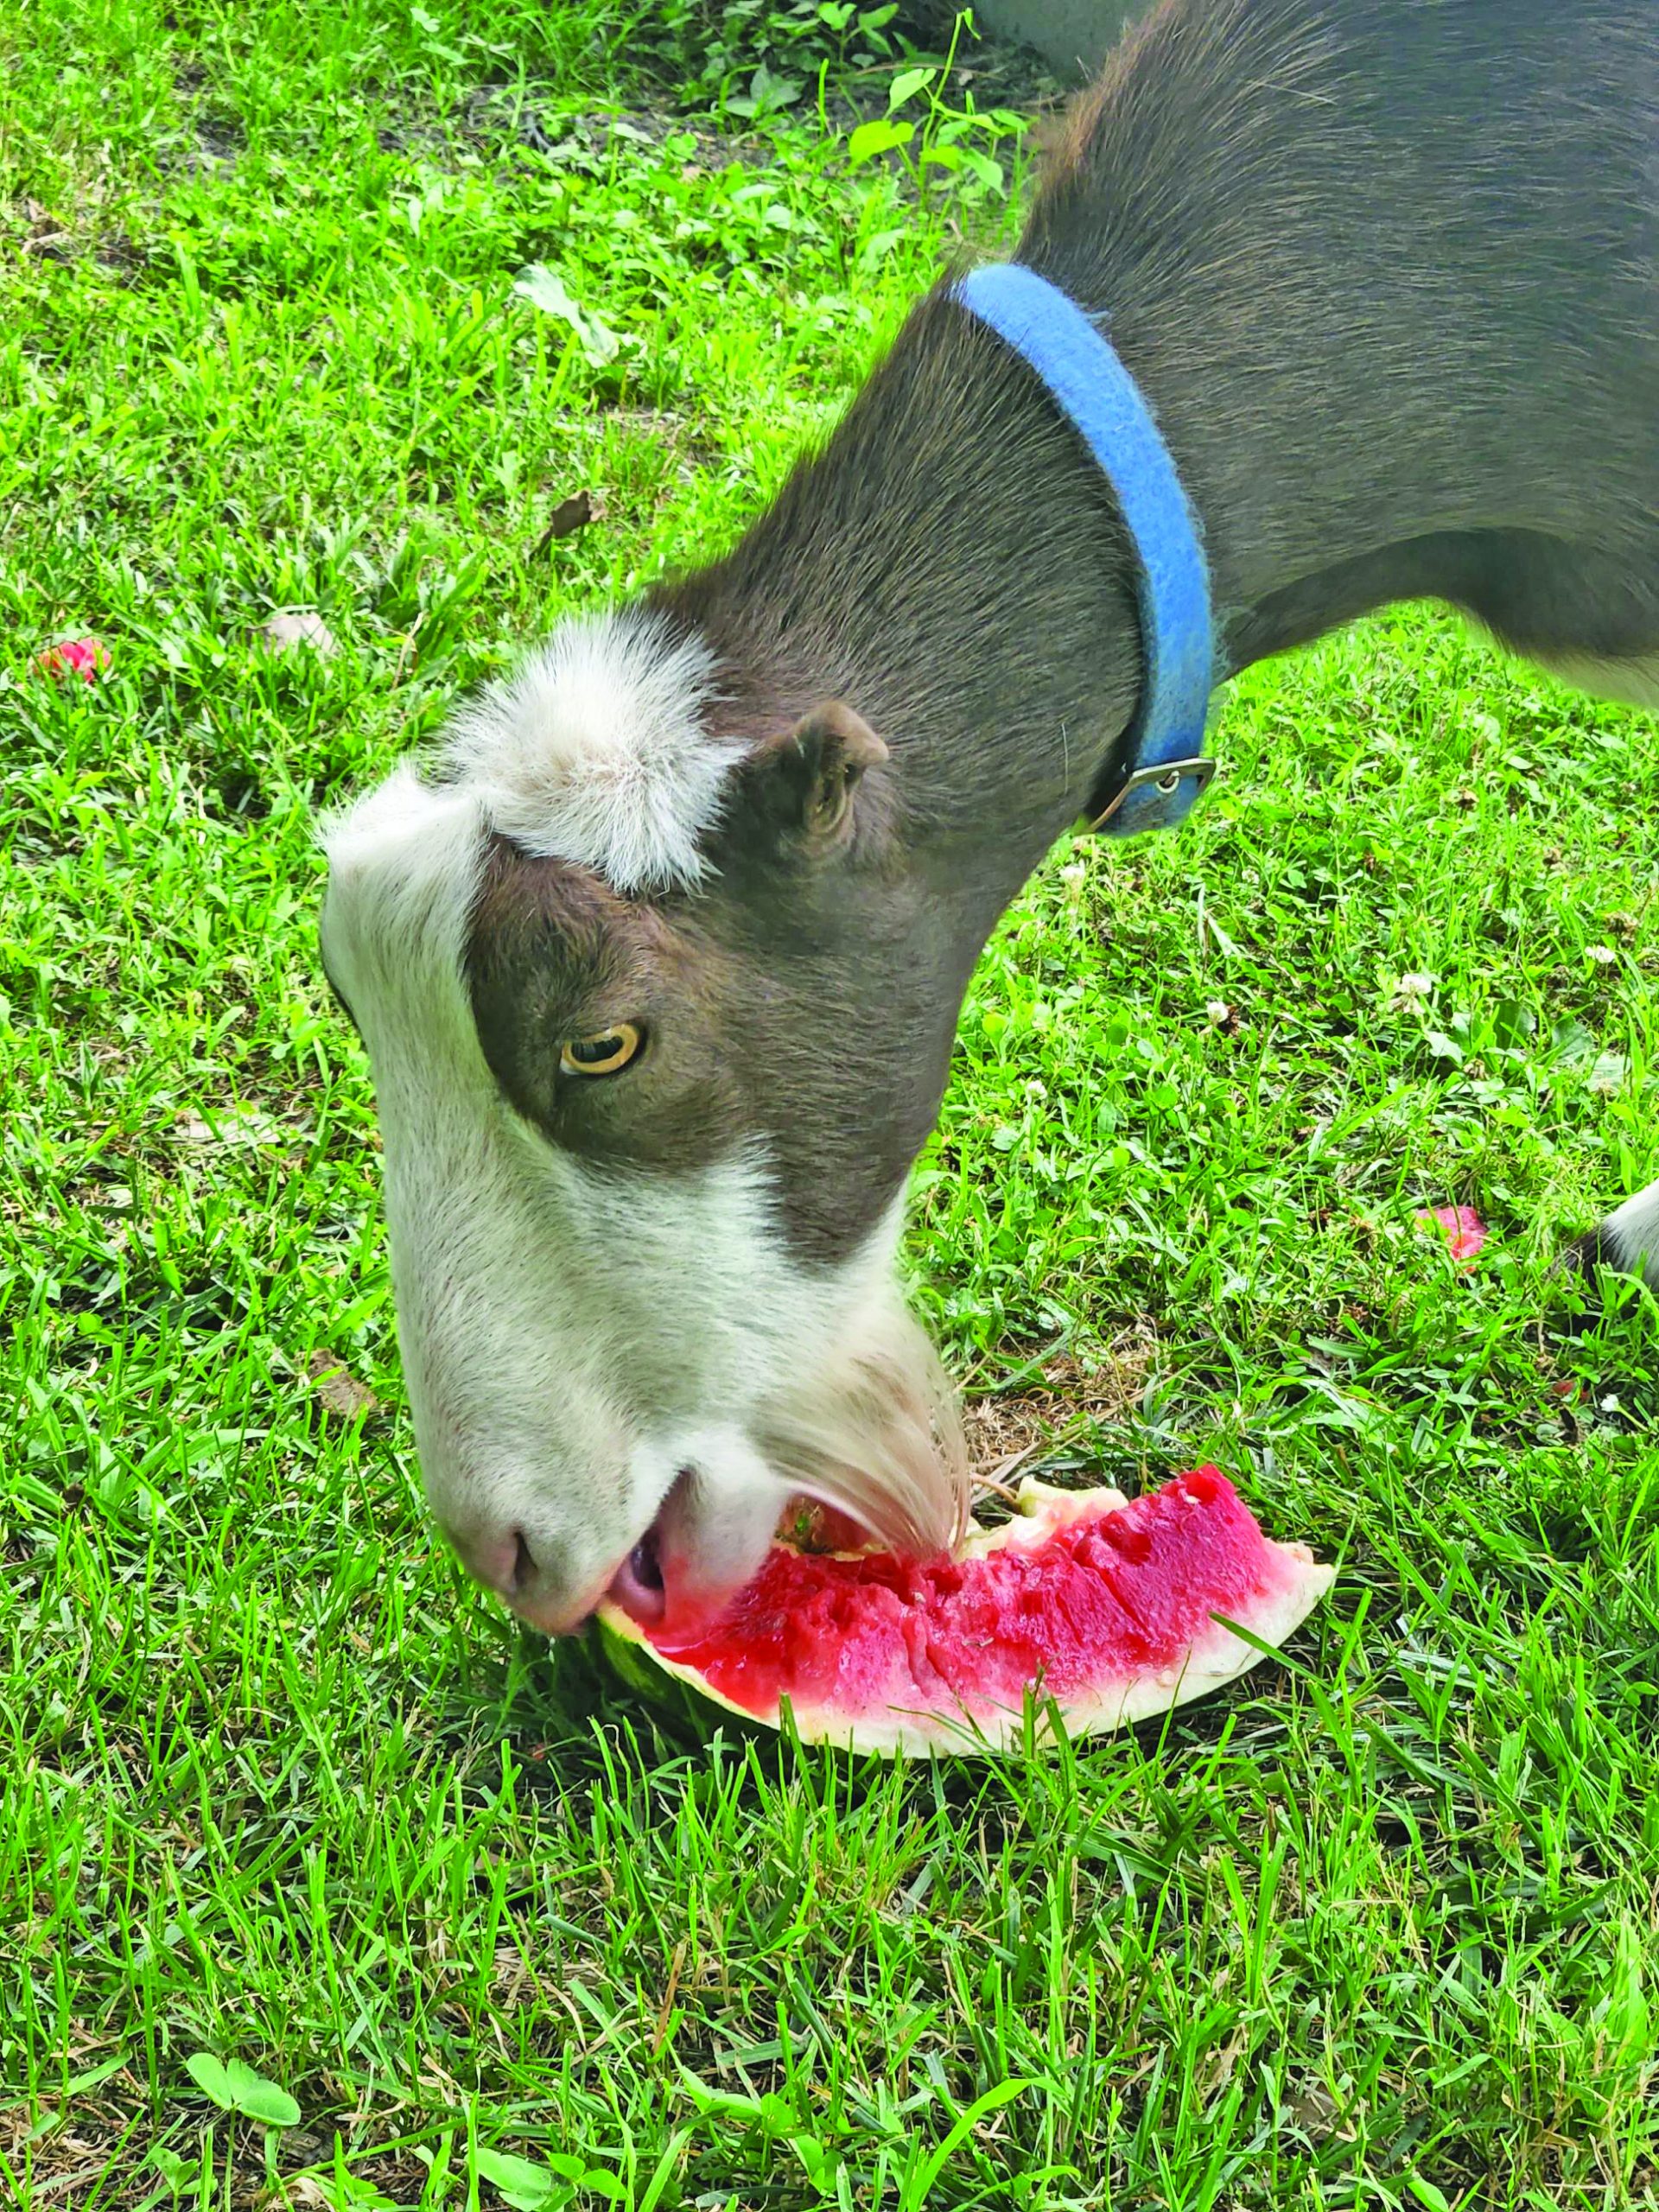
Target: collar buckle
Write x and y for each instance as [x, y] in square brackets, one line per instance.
[1089, 384]
[1172, 787]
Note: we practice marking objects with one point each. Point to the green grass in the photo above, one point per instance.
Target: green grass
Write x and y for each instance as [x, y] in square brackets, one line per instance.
[1377, 1930]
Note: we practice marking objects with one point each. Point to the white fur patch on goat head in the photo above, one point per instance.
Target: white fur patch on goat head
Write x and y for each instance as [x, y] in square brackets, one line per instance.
[596, 751]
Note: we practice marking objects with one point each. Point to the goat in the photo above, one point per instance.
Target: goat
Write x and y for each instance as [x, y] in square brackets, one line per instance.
[659, 965]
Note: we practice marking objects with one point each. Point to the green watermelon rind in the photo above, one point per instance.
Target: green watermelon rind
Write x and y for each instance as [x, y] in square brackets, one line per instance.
[1213, 1660]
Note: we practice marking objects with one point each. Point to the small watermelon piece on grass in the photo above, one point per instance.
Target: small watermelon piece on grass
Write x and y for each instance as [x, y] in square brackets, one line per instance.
[1461, 1226]
[1111, 1611]
[86, 658]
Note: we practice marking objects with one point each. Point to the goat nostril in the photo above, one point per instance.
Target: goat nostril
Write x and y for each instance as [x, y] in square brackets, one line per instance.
[524, 1563]
[644, 1564]
[638, 1586]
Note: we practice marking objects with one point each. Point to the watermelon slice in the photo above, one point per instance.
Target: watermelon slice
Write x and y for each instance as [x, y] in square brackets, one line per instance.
[1104, 1607]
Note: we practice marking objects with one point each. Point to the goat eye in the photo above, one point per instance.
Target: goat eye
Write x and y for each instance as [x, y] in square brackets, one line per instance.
[603, 1053]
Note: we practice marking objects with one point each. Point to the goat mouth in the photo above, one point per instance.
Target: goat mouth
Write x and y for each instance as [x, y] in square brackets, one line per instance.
[640, 1585]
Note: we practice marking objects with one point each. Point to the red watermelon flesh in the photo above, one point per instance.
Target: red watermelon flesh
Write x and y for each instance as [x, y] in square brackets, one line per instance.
[1104, 1606]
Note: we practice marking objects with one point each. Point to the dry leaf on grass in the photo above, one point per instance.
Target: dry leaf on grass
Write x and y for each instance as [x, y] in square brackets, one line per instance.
[339, 1389]
[1318, 2114]
[232, 1125]
[571, 515]
[292, 628]
[45, 234]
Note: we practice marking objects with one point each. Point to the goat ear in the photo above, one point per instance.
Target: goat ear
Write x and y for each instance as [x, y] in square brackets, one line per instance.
[805, 777]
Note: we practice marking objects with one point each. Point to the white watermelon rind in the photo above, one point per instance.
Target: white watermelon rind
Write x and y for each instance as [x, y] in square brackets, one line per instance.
[1210, 1661]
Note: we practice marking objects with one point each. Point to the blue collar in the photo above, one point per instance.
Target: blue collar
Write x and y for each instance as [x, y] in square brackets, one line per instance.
[1165, 769]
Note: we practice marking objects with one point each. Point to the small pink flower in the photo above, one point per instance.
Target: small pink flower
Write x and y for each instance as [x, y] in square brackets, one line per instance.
[86, 658]
[1464, 1229]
